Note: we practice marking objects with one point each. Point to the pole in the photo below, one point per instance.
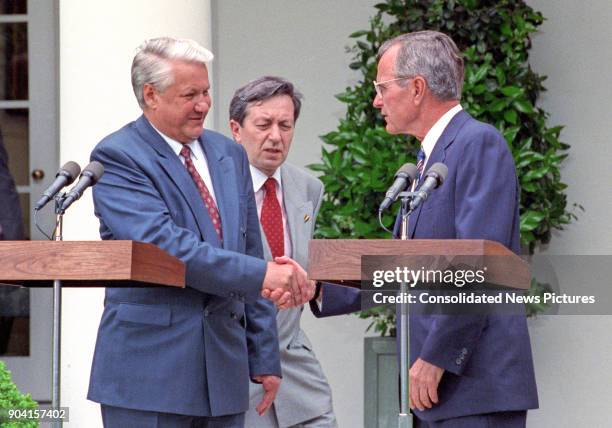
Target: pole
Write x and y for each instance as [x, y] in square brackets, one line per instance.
[57, 319]
[404, 418]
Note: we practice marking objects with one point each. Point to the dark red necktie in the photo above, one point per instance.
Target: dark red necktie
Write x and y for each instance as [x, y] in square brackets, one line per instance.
[272, 219]
[209, 202]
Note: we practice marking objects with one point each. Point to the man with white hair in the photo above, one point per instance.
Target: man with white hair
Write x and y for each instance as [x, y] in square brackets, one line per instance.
[170, 357]
[471, 371]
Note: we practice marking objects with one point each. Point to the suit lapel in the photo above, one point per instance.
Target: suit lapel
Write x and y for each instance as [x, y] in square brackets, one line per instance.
[222, 173]
[298, 210]
[439, 155]
[179, 175]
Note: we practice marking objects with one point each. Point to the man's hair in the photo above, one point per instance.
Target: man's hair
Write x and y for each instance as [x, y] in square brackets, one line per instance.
[151, 63]
[432, 55]
[260, 90]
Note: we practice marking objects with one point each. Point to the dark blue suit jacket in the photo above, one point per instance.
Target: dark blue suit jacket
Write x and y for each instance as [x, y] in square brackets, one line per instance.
[188, 351]
[487, 359]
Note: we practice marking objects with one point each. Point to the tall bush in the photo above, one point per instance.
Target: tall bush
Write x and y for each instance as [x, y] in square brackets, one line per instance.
[359, 157]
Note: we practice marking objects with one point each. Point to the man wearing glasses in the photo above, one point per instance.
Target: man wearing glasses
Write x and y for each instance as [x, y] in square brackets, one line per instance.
[466, 371]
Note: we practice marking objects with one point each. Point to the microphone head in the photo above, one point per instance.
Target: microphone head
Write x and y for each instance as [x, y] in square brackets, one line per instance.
[408, 170]
[95, 170]
[438, 171]
[70, 170]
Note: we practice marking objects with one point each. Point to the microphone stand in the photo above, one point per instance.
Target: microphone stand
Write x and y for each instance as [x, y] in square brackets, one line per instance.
[57, 315]
[404, 418]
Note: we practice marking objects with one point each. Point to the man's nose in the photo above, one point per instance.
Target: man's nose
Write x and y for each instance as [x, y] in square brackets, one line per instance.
[203, 104]
[377, 102]
[275, 134]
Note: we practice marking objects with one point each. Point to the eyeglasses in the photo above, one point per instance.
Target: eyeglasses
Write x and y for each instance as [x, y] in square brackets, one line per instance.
[379, 86]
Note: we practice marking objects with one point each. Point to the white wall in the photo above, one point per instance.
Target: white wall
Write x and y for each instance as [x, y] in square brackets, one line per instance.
[97, 44]
[304, 42]
[573, 356]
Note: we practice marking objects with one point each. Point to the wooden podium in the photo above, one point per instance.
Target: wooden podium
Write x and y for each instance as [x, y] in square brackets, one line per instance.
[88, 264]
[338, 261]
[59, 264]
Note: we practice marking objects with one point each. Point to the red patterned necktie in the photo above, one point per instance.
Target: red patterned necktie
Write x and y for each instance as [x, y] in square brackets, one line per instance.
[209, 202]
[272, 219]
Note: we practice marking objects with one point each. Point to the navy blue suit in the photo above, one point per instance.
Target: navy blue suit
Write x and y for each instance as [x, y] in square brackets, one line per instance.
[487, 359]
[187, 351]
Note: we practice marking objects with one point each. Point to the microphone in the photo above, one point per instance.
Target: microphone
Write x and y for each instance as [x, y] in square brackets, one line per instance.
[90, 176]
[433, 179]
[65, 176]
[403, 178]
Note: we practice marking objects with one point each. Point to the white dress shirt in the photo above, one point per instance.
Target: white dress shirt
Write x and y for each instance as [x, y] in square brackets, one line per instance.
[433, 135]
[259, 178]
[197, 156]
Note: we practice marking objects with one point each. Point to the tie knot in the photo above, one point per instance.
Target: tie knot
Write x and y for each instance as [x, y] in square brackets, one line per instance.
[186, 152]
[421, 156]
[270, 185]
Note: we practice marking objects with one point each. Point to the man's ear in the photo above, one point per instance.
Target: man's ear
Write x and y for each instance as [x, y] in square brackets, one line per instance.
[419, 87]
[235, 128]
[150, 96]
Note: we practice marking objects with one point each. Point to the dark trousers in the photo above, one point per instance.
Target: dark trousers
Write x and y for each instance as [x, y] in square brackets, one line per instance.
[119, 417]
[489, 420]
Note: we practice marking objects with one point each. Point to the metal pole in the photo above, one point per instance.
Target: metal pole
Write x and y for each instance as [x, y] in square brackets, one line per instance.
[404, 418]
[57, 321]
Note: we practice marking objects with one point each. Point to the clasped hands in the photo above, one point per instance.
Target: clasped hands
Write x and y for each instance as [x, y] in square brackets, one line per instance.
[286, 283]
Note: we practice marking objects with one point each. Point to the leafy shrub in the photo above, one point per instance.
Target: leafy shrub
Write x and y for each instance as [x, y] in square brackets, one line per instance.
[359, 157]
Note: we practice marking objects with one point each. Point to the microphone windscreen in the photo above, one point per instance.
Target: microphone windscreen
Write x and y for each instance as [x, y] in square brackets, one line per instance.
[439, 170]
[95, 170]
[70, 170]
[408, 169]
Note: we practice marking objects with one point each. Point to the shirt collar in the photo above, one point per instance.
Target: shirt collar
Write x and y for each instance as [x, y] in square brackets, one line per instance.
[432, 136]
[259, 178]
[177, 146]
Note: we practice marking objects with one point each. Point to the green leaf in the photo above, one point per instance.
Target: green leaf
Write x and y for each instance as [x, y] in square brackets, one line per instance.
[511, 116]
[523, 106]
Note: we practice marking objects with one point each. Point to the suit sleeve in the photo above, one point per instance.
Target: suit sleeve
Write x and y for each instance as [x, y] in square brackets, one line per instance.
[130, 207]
[261, 329]
[485, 205]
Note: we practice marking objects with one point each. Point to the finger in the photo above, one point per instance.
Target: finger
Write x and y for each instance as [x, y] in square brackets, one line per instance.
[283, 260]
[424, 396]
[433, 394]
[265, 404]
[276, 294]
[265, 293]
[284, 302]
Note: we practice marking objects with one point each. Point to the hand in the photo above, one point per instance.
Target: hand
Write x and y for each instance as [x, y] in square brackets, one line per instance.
[307, 287]
[282, 284]
[270, 385]
[423, 386]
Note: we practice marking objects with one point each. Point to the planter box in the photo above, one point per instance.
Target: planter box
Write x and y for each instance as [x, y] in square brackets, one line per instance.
[381, 383]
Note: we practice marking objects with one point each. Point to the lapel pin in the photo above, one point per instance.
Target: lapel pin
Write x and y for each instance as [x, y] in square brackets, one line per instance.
[306, 218]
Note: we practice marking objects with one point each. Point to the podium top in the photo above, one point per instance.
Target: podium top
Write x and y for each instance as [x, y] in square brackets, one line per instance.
[339, 260]
[88, 263]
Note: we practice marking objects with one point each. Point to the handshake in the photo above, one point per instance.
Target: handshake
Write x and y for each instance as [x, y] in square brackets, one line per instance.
[286, 283]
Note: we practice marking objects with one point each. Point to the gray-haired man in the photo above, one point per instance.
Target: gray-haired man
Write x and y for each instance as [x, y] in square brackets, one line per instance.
[262, 119]
[171, 357]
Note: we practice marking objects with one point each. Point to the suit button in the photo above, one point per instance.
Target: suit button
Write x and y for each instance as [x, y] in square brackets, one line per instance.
[206, 312]
[232, 294]
[458, 361]
[464, 351]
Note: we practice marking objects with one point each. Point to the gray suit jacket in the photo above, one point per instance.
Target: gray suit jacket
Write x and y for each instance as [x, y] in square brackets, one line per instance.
[304, 392]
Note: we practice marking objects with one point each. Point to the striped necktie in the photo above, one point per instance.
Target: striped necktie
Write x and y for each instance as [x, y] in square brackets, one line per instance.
[420, 165]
